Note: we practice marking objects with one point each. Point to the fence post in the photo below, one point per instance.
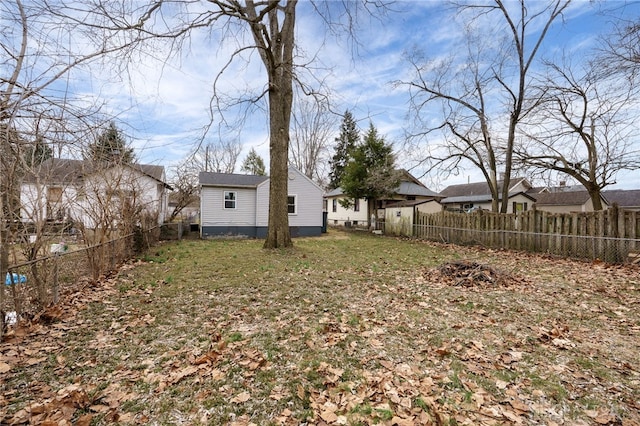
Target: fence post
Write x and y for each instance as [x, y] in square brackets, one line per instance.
[56, 285]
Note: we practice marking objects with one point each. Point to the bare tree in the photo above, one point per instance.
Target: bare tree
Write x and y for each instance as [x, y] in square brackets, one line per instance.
[476, 91]
[219, 157]
[185, 186]
[313, 125]
[263, 27]
[42, 44]
[586, 127]
[620, 53]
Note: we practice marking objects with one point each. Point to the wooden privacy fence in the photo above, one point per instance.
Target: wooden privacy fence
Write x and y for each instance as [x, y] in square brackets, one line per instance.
[610, 235]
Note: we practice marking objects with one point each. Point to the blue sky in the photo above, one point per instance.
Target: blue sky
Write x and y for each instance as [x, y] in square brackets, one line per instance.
[163, 106]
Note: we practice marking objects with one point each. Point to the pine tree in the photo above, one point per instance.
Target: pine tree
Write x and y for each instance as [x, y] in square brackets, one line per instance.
[370, 172]
[253, 164]
[110, 147]
[345, 143]
[37, 153]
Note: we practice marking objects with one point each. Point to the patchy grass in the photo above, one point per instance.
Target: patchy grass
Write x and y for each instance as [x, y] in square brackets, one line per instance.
[348, 328]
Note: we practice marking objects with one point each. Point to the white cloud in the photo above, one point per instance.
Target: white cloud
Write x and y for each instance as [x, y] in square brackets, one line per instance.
[166, 102]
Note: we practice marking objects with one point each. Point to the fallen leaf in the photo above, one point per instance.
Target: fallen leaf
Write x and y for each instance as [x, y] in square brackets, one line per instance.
[402, 422]
[329, 416]
[34, 361]
[241, 397]
[84, 420]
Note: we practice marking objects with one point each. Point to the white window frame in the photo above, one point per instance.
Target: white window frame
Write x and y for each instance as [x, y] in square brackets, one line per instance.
[234, 200]
[295, 204]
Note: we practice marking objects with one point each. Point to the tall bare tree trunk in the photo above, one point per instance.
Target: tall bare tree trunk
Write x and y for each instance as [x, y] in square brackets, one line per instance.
[275, 44]
[280, 95]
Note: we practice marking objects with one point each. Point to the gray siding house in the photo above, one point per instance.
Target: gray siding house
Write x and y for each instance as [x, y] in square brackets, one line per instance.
[238, 205]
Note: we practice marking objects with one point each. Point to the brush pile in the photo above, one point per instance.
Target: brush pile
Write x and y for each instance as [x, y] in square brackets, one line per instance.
[468, 274]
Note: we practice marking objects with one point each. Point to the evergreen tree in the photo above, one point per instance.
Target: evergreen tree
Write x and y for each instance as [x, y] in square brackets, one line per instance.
[37, 153]
[370, 172]
[110, 147]
[345, 143]
[253, 164]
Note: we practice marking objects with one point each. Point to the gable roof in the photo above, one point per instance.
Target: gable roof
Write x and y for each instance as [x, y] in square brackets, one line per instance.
[411, 188]
[409, 185]
[474, 189]
[236, 180]
[153, 171]
[66, 170]
[57, 171]
[623, 197]
[411, 203]
[566, 198]
[483, 198]
[230, 180]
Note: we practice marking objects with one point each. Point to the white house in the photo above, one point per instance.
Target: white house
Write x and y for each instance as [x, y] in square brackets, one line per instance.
[476, 195]
[356, 214]
[92, 195]
[238, 205]
[409, 189]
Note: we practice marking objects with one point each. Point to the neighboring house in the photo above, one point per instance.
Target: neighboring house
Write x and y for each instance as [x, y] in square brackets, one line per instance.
[566, 199]
[400, 217]
[628, 199]
[476, 196]
[409, 189]
[189, 213]
[338, 215]
[92, 195]
[238, 205]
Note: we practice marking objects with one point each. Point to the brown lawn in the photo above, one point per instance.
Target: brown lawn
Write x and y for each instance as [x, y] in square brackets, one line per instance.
[348, 329]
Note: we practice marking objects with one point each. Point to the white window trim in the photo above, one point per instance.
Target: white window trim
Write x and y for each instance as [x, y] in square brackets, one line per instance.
[295, 204]
[235, 200]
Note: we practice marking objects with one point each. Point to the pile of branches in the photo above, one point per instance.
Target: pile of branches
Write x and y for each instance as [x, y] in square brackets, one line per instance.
[470, 274]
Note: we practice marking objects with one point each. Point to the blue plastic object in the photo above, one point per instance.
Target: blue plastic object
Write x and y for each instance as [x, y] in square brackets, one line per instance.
[17, 279]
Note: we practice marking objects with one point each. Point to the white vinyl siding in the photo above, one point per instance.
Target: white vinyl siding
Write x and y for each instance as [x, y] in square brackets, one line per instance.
[262, 204]
[308, 201]
[341, 215]
[213, 209]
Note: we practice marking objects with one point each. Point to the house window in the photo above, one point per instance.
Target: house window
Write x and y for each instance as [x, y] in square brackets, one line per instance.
[54, 203]
[230, 198]
[519, 207]
[356, 205]
[334, 205]
[467, 206]
[291, 204]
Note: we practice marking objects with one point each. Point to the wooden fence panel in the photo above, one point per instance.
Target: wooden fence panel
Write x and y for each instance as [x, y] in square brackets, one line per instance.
[608, 235]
